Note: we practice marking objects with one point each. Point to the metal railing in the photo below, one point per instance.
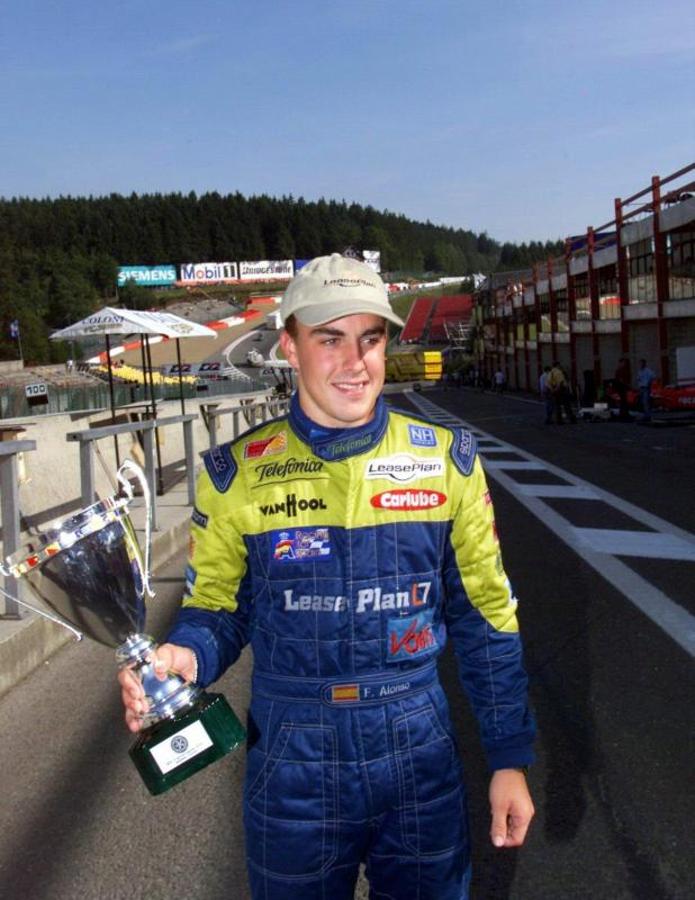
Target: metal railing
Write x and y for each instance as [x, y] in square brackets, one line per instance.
[249, 414]
[9, 500]
[87, 437]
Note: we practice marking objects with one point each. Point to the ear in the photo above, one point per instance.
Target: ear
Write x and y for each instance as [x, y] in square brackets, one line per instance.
[289, 349]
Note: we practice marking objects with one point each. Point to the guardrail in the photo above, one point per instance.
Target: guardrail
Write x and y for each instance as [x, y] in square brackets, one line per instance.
[9, 500]
[251, 413]
[87, 437]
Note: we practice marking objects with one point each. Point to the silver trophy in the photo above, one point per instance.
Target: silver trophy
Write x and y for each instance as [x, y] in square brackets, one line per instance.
[89, 571]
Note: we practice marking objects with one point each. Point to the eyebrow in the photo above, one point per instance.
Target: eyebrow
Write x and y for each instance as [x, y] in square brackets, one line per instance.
[336, 332]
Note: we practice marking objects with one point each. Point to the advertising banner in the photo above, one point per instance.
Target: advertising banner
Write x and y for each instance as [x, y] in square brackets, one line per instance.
[373, 259]
[266, 270]
[205, 368]
[147, 276]
[208, 272]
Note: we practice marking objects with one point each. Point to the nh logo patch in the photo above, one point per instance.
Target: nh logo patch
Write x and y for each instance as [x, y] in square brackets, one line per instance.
[422, 436]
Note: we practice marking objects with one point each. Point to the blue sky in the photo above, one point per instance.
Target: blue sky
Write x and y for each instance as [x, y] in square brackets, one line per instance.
[522, 118]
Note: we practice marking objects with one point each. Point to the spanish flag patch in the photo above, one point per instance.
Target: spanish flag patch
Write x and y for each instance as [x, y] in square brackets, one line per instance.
[342, 693]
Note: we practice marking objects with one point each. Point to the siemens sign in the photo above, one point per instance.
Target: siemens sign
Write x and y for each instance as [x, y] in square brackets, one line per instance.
[208, 272]
[147, 276]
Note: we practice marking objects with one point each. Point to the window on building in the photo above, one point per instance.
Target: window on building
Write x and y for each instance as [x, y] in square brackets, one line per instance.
[608, 292]
[562, 310]
[641, 277]
[582, 297]
[680, 247]
[544, 305]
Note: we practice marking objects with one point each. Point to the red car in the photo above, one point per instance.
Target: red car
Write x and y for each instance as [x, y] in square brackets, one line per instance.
[673, 396]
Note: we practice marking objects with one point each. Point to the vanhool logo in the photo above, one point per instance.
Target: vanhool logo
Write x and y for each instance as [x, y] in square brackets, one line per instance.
[290, 505]
[403, 468]
[402, 499]
[291, 466]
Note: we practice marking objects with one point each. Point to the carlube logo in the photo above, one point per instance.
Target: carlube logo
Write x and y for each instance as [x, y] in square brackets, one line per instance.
[402, 499]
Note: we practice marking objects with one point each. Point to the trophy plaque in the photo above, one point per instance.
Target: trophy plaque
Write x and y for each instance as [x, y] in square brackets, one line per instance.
[89, 571]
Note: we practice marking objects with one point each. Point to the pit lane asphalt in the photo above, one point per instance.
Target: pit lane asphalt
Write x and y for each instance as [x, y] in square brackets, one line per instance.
[612, 693]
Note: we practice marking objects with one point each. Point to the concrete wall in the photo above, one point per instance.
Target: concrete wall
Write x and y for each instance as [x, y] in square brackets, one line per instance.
[49, 476]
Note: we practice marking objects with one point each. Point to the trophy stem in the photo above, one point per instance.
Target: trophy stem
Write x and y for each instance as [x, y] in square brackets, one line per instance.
[41, 612]
[129, 466]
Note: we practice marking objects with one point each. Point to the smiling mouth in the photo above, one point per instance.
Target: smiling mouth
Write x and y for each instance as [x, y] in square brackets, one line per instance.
[350, 387]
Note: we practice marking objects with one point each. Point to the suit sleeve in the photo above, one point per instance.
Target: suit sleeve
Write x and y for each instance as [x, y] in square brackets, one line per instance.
[214, 620]
[480, 615]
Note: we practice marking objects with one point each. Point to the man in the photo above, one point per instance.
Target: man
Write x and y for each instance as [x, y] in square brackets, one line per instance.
[344, 541]
[645, 377]
[622, 382]
[546, 394]
[561, 394]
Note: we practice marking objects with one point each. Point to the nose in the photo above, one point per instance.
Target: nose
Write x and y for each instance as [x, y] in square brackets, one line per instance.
[353, 356]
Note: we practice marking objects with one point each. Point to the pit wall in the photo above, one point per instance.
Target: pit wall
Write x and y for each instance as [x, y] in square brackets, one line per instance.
[49, 476]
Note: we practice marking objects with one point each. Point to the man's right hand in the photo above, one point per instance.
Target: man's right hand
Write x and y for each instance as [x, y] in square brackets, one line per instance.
[166, 658]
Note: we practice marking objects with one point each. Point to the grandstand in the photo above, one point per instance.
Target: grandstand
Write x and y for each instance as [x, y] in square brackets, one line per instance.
[439, 320]
[121, 372]
[417, 321]
[450, 318]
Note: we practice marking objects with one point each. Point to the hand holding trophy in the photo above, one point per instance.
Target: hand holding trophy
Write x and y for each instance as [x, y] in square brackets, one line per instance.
[88, 569]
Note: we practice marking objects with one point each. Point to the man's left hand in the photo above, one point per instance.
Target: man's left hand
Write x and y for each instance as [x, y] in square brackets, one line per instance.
[511, 807]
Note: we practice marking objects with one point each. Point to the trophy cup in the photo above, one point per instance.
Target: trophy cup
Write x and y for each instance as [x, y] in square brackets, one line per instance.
[88, 569]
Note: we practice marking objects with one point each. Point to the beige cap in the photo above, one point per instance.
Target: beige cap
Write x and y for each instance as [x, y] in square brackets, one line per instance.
[330, 287]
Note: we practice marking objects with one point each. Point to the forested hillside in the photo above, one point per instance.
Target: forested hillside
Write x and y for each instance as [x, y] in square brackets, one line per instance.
[58, 258]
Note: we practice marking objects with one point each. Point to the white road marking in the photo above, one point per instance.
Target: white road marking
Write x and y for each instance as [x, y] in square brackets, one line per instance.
[559, 491]
[647, 544]
[596, 546]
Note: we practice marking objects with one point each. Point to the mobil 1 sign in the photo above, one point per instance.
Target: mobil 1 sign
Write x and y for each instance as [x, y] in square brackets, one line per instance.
[36, 394]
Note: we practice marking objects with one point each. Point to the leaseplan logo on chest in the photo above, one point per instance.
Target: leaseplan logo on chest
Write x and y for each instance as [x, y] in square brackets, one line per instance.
[402, 468]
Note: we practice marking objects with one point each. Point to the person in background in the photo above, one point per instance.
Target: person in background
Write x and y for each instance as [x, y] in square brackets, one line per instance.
[622, 380]
[500, 381]
[561, 394]
[347, 585]
[645, 377]
[546, 394]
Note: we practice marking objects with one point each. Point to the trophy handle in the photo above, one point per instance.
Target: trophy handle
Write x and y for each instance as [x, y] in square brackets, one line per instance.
[129, 466]
[42, 612]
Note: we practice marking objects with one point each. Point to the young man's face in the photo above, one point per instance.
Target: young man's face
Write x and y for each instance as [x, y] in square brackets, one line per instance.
[340, 368]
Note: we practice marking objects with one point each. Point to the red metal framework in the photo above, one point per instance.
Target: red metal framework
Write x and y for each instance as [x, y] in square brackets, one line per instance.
[649, 201]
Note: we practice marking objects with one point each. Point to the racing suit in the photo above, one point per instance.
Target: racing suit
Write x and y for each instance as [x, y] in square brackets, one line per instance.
[346, 557]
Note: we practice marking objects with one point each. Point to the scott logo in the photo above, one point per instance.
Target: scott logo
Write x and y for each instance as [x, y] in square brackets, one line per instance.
[403, 499]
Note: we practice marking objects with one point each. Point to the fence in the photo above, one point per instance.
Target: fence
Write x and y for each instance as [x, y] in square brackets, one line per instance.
[243, 417]
[9, 505]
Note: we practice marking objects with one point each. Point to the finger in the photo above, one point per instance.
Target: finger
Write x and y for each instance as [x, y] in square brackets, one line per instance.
[498, 831]
[516, 834]
[133, 721]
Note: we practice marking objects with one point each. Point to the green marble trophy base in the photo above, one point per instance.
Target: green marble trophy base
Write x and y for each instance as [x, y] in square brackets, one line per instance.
[168, 752]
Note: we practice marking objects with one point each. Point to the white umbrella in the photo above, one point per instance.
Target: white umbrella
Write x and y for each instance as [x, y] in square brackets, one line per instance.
[109, 321]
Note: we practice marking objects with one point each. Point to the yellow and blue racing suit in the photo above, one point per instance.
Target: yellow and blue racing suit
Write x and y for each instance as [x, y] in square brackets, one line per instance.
[346, 558]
